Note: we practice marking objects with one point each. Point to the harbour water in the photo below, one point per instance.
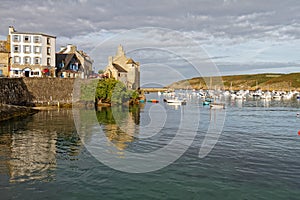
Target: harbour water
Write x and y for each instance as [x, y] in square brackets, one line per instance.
[256, 156]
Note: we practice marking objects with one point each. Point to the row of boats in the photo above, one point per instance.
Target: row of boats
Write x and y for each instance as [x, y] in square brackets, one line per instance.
[214, 98]
[241, 94]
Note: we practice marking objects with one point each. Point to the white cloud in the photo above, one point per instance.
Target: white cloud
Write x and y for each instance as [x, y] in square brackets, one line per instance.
[232, 31]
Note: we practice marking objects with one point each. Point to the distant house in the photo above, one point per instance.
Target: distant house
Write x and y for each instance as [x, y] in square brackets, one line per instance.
[123, 69]
[4, 58]
[32, 54]
[71, 63]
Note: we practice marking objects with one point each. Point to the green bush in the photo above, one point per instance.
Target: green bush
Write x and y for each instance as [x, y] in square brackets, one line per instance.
[113, 91]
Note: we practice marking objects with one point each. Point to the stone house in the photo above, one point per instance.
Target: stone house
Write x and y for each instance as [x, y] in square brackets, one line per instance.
[4, 58]
[72, 63]
[124, 69]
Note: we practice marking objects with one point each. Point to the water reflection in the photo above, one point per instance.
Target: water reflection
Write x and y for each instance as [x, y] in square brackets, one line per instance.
[29, 147]
[120, 124]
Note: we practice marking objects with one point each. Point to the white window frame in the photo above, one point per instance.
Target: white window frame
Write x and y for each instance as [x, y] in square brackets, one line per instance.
[27, 60]
[37, 60]
[35, 49]
[16, 38]
[18, 48]
[35, 73]
[27, 48]
[17, 59]
[37, 39]
[24, 39]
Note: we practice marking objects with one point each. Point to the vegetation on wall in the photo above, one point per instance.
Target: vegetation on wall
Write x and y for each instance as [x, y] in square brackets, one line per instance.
[107, 91]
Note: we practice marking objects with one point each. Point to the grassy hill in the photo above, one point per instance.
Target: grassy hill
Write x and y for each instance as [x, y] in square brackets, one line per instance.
[245, 82]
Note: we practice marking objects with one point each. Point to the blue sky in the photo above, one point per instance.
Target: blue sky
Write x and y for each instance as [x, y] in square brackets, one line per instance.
[237, 36]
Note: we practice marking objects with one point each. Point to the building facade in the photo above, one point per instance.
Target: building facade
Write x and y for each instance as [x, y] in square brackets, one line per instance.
[31, 54]
[124, 69]
[72, 63]
[4, 58]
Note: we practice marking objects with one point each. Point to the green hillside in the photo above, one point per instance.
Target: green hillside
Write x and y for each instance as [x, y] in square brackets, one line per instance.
[246, 82]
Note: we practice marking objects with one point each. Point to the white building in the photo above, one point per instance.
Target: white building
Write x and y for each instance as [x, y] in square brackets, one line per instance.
[32, 54]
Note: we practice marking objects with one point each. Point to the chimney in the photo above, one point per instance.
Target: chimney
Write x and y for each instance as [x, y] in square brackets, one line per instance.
[62, 48]
[110, 60]
[71, 48]
[11, 30]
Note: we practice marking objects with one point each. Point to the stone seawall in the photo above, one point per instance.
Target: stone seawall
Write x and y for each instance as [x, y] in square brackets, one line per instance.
[36, 91]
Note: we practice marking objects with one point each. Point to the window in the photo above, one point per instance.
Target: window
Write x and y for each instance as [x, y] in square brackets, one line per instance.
[48, 50]
[27, 49]
[26, 38]
[48, 40]
[16, 38]
[16, 48]
[16, 59]
[48, 61]
[35, 73]
[37, 60]
[27, 60]
[37, 49]
[1, 72]
[37, 39]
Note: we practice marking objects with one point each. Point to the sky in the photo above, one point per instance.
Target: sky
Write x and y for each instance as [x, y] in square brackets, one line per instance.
[172, 39]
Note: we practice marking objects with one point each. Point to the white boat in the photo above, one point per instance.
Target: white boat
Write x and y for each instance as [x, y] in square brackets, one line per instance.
[217, 106]
[240, 96]
[288, 96]
[175, 101]
[276, 96]
[266, 95]
[233, 96]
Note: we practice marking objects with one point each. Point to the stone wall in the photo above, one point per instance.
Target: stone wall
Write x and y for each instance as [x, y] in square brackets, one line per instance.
[36, 91]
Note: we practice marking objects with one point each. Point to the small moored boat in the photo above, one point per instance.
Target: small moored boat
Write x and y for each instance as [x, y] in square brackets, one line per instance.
[153, 100]
[217, 106]
[175, 101]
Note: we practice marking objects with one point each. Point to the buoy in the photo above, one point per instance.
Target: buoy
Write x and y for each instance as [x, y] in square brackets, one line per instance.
[299, 133]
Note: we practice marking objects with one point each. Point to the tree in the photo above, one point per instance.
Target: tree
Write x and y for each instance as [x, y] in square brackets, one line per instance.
[113, 91]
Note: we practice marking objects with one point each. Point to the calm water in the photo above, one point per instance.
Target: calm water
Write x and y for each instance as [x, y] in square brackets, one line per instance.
[257, 155]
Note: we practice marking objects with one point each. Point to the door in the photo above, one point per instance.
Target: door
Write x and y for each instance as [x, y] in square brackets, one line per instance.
[27, 73]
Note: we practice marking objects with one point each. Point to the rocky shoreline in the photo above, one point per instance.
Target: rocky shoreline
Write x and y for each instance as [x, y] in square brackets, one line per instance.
[11, 111]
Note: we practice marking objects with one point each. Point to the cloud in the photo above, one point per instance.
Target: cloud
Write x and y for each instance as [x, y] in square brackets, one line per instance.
[227, 30]
[229, 18]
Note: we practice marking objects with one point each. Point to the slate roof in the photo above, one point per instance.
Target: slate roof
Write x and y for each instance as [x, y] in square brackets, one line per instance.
[119, 68]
